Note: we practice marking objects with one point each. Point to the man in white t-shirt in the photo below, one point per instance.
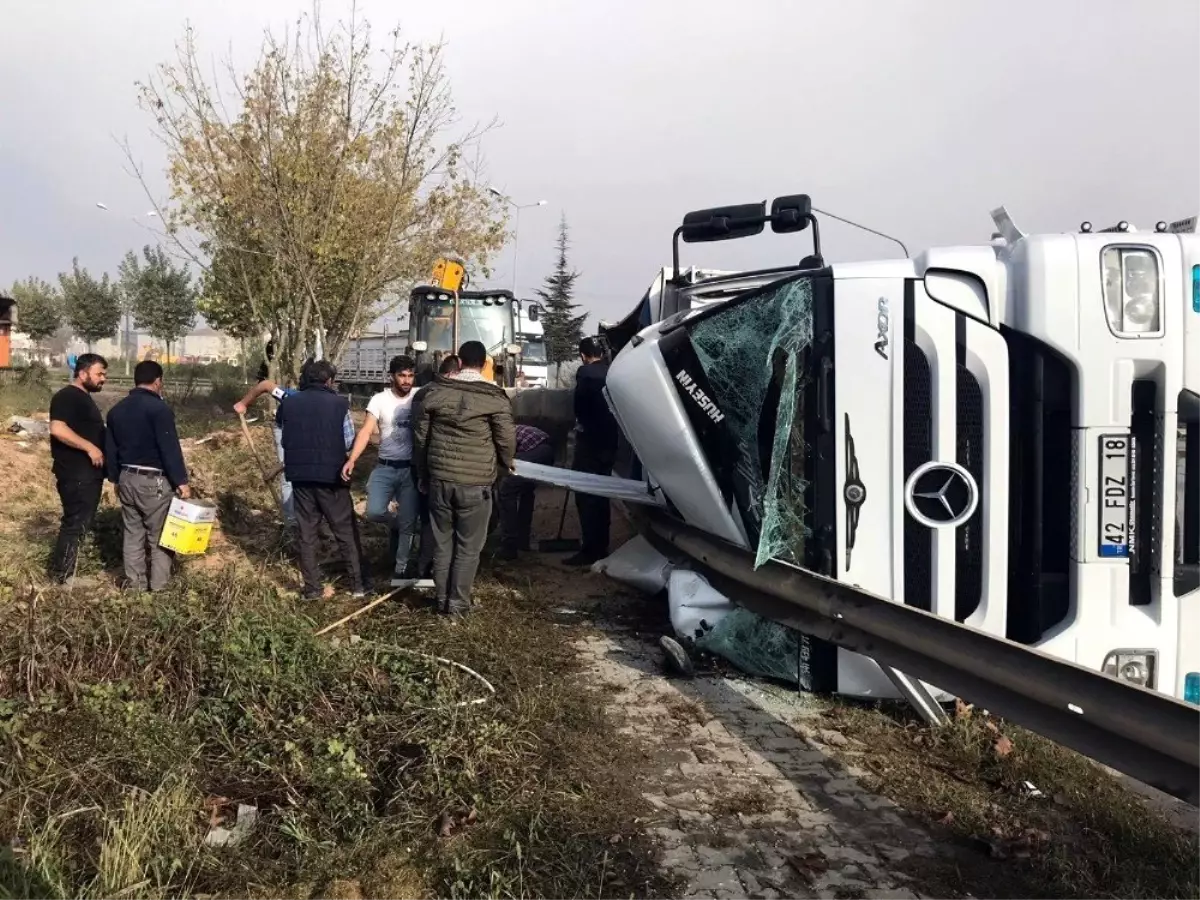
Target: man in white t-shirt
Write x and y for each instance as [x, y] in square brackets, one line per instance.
[390, 412]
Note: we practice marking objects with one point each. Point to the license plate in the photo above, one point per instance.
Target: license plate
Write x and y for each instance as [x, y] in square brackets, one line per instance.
[1116, 496]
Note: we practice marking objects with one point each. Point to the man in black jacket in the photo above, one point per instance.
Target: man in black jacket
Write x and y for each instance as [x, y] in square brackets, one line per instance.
[314, 451]
[448, 368]
[595, 450]
[145, 462]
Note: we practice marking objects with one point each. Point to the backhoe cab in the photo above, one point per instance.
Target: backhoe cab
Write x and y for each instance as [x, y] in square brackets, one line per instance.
[443, 315]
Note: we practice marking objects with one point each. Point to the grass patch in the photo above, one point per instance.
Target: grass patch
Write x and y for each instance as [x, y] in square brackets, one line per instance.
[23, 398]
[1083, 834]
[131, 725]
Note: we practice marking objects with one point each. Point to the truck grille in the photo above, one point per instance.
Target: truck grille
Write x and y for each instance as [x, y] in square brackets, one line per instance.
[970, 434]
[918, 449]
[968, 549]
[1040, 479]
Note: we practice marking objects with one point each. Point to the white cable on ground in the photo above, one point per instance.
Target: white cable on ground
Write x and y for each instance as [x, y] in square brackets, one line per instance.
[417, 654]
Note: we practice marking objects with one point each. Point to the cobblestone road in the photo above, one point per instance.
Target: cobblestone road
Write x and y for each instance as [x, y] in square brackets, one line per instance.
[748, 801]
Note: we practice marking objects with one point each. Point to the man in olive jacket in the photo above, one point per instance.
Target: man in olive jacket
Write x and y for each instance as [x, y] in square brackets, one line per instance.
[464, 438]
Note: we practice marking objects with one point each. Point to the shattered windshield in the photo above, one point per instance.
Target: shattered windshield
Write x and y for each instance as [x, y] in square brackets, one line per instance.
[756, 355]
[490, 325]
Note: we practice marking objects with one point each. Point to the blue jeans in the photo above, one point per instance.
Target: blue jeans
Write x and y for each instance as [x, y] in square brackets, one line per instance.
[285, 486]
[385, 484]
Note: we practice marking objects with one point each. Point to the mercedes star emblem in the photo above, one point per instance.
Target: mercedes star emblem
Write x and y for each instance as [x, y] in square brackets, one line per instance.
[941, 495]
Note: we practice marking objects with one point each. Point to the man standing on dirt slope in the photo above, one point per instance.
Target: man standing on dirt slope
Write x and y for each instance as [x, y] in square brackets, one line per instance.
[315, 444]
[76, 439]
[145, 462]
[464, 432]
[449, 367]
[390, 412]
[595, 450]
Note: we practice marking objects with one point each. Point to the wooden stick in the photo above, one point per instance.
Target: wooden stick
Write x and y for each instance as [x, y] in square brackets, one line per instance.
[270, 482]
[358, 612]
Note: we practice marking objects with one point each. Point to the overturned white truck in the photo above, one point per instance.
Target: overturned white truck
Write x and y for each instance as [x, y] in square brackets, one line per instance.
[1006, 435]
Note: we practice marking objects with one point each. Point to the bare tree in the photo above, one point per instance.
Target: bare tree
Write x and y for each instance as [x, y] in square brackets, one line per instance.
[323, 189]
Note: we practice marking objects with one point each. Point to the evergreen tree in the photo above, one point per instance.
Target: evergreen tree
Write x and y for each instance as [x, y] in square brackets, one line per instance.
[563, 327]
[39, 308]
[93, 308]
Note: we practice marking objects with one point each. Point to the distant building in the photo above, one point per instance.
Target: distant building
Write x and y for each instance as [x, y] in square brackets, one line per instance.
[204, 345]
[209, 345]
[7, 305]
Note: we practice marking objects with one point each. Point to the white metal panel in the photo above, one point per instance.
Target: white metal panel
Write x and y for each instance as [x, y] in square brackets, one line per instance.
[987, 359]
[867, 401]
[869, 409]
[643, 396]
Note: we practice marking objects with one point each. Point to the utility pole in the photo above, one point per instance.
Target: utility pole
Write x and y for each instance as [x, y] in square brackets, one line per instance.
[516, 228]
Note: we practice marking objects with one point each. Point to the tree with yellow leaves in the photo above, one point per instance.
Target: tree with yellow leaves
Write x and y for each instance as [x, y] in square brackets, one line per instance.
[316, 189]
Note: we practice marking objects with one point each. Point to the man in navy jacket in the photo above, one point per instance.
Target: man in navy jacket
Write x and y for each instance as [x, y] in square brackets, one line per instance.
[145, 462]
[314, 452]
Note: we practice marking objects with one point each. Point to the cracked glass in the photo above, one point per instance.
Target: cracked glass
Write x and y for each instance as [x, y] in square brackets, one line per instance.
[754, 355]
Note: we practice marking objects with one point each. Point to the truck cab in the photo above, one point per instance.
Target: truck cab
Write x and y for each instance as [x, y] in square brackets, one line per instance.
[532, 364]
[1005, 434]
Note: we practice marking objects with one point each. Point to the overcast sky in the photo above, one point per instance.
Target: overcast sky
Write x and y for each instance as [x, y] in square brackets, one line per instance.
[913, 116]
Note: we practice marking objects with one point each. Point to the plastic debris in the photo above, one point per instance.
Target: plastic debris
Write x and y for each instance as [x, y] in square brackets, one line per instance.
[636, 564]
[220, 836]
[32, 427]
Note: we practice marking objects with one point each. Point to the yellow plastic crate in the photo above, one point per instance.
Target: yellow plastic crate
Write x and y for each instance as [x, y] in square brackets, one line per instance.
[188, 527]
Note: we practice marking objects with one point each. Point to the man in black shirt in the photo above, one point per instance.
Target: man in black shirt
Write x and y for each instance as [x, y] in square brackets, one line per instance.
[76, 439]
[145, 462]
[595, 450]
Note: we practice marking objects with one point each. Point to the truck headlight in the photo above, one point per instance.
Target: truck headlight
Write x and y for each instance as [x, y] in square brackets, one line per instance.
[1132, 295]
[1132, 666]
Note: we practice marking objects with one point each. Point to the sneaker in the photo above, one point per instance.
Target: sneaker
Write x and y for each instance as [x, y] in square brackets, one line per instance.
[581, 559]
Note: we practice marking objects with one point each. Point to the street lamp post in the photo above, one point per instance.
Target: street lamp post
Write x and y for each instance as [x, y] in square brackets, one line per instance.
[126, 335]
[516, 227]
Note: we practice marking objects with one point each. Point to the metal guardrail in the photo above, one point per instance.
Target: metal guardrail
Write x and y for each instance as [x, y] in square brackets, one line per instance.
[1144, 734]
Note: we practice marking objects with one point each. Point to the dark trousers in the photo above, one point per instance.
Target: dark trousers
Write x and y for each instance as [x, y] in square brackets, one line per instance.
[594, 512]
[425, 552]
[80, 497]
[314, 502]
[459, 514]
[516, 501]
